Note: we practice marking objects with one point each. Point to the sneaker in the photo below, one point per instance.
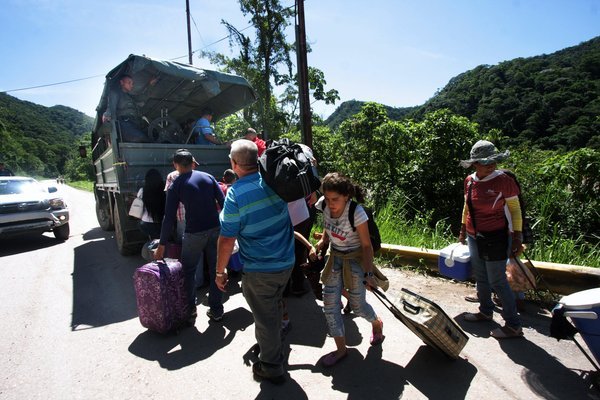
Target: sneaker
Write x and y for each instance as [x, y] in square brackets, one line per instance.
[259, 374]
[214, 317]
[506, 332]
[477, 317]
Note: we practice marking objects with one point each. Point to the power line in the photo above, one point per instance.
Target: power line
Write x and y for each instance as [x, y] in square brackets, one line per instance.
[97, 76]
[53, 84]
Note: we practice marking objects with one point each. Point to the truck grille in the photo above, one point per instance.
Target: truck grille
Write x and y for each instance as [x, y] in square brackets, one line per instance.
[28, 206]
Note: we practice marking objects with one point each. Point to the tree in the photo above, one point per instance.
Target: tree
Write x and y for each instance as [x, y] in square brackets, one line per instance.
[266, 62]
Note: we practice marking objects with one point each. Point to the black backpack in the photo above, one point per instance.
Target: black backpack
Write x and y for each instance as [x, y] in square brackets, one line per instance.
[527, 231]
[288, 171]
[374, 234]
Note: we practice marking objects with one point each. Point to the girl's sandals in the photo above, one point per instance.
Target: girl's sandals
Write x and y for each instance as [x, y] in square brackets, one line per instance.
[506, 332]
[377, 337]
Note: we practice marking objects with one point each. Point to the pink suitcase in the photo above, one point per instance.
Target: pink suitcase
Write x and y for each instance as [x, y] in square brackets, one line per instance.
[160, 294]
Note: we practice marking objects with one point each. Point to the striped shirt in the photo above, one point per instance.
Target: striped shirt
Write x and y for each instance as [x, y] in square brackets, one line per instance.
[260, 221]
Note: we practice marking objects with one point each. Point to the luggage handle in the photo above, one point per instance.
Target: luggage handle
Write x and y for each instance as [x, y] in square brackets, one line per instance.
[449, 262]
[581, 314]
[411, 308]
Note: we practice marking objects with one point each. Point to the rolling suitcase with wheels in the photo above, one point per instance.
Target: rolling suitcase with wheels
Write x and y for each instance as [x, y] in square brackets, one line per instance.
[160, 295]
[428, 321]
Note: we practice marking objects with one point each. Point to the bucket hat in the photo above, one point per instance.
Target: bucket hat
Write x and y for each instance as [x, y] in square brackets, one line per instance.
[485, 153]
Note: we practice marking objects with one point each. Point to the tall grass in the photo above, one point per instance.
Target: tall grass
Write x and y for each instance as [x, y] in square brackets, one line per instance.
[395, 228]
[83, 185]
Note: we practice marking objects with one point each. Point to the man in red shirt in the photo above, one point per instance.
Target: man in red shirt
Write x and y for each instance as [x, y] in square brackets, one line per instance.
[253, 137]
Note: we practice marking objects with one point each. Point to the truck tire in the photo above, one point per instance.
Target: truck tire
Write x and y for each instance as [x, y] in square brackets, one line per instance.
[103, 215]
[126, 249]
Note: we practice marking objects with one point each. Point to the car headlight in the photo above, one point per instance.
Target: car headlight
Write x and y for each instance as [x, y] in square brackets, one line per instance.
[57, 204]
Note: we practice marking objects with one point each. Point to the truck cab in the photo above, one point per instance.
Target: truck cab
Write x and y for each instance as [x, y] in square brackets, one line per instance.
[168, 97]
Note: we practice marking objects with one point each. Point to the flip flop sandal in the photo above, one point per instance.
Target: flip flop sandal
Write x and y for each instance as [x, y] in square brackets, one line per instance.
[377, 337]
[331, 359]
[472, 298]
[506, 332]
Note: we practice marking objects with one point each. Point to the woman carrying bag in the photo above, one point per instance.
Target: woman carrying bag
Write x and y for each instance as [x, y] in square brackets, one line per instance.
[485, 228]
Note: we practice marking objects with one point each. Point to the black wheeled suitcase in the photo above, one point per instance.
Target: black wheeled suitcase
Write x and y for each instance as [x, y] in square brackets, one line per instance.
[428, 321]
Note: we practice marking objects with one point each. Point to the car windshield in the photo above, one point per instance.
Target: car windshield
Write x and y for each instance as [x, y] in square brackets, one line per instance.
[21, 186]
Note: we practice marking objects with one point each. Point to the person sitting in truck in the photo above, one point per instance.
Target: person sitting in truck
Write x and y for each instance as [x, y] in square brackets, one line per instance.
[206, 134]
[126, 110]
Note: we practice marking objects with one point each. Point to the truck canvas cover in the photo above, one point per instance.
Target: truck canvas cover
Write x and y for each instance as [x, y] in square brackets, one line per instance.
[180, 90]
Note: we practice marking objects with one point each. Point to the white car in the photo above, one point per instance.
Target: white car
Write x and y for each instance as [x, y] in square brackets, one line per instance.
[26, 206]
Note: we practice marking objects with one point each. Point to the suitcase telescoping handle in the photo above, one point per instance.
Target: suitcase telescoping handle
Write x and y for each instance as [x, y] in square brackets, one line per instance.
[411, 308]
[387, 303]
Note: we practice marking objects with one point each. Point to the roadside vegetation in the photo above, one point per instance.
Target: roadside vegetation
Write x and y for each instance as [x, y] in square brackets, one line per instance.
[410, 169]
[83, 185]
[544, 109]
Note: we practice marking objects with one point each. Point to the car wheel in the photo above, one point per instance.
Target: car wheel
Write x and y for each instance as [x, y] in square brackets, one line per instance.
[62, 232]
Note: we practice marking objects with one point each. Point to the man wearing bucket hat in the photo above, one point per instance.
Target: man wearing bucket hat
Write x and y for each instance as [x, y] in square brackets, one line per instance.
[488, 192]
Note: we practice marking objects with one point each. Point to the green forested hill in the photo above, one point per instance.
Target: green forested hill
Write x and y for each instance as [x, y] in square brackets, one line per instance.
[551, 101]
[349, 108]
[38, 140]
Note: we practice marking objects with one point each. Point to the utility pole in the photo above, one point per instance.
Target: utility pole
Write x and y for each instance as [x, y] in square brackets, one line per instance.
[187, 12]
[305, 115]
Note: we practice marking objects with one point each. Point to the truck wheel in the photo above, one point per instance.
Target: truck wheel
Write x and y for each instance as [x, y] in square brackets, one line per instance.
[62, 232]
[126, 249]
[103, 215]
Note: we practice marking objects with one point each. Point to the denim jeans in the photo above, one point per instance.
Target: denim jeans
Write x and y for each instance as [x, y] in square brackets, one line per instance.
[151, 229]
[193, 247]
[263, 291]
[131, 133]
[492, 275]
[332, 294]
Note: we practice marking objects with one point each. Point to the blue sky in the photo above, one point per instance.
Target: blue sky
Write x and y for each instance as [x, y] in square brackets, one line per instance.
[391, 51]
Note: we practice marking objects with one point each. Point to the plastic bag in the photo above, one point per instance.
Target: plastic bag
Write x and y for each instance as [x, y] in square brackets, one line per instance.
[519, 276]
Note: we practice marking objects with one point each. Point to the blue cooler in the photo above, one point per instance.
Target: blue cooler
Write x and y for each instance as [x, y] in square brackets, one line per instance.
[584, 310]
[455, 262]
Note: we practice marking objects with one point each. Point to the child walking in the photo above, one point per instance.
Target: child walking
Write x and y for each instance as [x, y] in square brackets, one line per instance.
[350, 263]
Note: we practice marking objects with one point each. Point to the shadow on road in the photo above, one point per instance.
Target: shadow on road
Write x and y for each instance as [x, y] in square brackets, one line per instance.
[545, 375]
[194, 345]
[102, 282]
[361, 378]
[452, 377]
[26, 243]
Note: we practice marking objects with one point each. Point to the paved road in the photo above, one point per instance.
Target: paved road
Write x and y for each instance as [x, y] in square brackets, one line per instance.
[70, 331]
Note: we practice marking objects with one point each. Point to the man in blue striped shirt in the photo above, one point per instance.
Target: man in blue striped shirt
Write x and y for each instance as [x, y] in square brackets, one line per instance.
[260, 221]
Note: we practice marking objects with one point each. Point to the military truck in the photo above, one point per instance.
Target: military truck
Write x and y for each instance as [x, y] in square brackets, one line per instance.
[168, 96]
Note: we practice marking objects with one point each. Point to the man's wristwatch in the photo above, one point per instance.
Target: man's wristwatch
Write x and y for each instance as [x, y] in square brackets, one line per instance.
[220, 274]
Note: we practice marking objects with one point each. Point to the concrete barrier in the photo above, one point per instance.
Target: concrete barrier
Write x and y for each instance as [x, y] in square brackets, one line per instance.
[561, 278]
